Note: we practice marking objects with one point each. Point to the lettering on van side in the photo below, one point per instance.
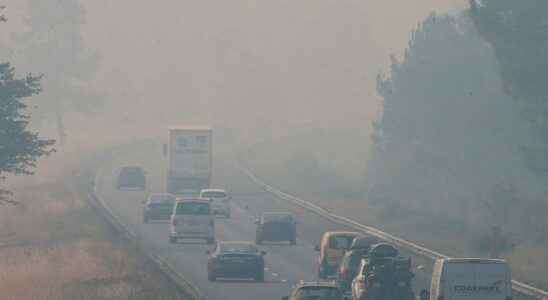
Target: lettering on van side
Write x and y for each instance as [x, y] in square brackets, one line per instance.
[494, 288]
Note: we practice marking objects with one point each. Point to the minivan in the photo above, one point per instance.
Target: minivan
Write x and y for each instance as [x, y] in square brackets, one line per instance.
[192, 219]
[470, 279]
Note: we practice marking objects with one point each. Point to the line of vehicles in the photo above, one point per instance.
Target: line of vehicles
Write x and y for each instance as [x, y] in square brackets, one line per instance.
[349, 266]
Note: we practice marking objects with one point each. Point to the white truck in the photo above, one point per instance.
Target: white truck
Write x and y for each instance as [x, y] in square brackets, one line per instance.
[190, 159]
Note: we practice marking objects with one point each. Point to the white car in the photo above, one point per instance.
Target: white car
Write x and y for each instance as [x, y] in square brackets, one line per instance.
[220, 201]
[192, 219]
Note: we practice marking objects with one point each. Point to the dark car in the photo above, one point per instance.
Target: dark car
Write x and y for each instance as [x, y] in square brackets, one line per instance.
[276, 227]
[131, 178]
[158, 207]
[350, 262]
[235, 260]
[315, 291]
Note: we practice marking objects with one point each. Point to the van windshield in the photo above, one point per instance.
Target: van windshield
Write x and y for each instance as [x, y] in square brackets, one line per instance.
[192, 208]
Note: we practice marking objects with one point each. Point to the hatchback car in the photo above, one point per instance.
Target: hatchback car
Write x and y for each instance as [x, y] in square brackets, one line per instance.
[192, 219]
[235, 260]
[220, 201]
[276, 227]
[131, 178]
[332, 247]
[315, 291]
[158, 207]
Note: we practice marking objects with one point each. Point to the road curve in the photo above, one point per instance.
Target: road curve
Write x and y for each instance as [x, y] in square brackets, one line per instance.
[285, 265]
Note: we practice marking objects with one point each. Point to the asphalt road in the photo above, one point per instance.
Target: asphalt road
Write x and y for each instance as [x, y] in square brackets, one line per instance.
[285, 265]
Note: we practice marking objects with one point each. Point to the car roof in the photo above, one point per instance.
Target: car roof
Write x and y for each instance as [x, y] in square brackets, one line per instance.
[317, 283]
[332, 233]
[212, 190]
[475, 260]
[199, 200]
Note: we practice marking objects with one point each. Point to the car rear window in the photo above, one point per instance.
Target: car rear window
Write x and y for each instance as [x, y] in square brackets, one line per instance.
[192, 208]
[277, 218]
[318, 293]
[215, 194]
[340, 241]
[237, 248]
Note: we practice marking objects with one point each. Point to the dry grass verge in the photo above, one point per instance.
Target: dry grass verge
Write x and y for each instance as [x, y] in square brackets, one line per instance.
[53, 246]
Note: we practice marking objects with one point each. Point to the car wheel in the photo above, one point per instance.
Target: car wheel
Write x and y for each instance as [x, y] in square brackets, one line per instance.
[211, 276]
[172, 240]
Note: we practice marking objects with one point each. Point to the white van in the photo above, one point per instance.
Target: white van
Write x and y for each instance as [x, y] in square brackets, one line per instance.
[471, 279]
[192, 219]
[220, 201]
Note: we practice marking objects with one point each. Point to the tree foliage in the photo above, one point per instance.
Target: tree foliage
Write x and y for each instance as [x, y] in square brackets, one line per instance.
[54, 45]
[19, 147]
[448, 135]
[518, 32]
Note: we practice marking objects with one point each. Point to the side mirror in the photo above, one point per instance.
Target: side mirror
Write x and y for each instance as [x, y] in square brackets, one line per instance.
[317, 248]
[263, 253]
[285, 298]
[425, 295]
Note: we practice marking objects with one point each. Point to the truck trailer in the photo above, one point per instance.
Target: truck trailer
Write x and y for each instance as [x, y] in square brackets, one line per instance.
[189, 154]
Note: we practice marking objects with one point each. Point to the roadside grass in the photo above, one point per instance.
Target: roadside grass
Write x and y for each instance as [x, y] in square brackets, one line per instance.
[53, 246]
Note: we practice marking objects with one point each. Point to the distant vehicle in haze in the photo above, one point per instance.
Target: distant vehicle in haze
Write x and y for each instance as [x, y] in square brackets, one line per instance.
[131, 177]
[383, 278]
[276, 227]
[190, 157]
[350, 262]
[220, 201]
[235, 260]
[470, 279]
[158, 207]
[315, 291]
[192, 219]
[332, 247]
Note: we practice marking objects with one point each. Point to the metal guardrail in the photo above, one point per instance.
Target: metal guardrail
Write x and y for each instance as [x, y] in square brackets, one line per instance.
[519, 287]
[186, 287]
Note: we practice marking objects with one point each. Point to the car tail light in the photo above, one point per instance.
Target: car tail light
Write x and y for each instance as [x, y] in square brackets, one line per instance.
[343, 271]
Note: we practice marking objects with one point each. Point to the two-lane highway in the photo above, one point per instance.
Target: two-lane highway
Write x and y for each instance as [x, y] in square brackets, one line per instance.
[285, 264]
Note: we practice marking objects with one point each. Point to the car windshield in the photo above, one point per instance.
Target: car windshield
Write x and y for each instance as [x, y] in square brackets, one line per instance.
[275, 217]
[213, 194]
[318, 293]
[340, 241]
[192, 208]
[237, 248]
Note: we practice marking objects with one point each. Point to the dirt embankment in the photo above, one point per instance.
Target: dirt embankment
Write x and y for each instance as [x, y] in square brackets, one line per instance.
[54, 246]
